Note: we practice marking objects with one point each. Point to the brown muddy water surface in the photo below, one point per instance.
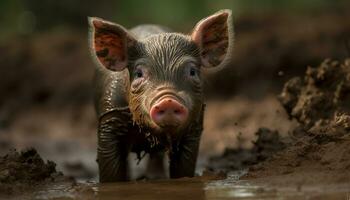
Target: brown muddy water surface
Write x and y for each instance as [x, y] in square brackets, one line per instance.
[203, 187]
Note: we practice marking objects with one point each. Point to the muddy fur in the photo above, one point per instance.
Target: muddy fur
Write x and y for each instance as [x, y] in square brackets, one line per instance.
[160, 65]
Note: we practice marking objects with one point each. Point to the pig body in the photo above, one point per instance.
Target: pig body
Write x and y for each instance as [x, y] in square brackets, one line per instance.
[148, 91]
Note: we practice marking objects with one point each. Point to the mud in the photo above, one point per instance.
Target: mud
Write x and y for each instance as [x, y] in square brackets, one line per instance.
[267, 144]
[207, 186]
[23, 171]
[320, 151]
[321, 98]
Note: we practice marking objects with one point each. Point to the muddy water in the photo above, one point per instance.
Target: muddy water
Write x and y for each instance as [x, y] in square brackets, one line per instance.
[189, 188]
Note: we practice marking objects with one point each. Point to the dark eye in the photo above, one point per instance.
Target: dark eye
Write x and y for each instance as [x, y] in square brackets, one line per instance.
[193, 72]
[138, 73]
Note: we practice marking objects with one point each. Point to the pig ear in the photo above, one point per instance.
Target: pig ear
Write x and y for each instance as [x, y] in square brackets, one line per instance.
[214, 37]
[109, 44]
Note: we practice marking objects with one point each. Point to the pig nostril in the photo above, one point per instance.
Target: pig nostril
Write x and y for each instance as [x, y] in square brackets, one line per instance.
[169, 111]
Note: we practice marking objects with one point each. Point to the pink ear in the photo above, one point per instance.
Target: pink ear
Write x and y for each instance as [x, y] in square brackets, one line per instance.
[109, 43]
[214, 37]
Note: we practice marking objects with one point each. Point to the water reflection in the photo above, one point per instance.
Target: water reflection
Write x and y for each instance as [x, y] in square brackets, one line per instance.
[176, 189]
[198, 188]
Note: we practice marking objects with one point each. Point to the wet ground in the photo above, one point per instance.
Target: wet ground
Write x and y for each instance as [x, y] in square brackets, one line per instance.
[206, 187]
[320, 148]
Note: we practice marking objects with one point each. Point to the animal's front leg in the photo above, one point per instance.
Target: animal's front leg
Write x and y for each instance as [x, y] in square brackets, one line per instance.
[113, 147]
[183, 159]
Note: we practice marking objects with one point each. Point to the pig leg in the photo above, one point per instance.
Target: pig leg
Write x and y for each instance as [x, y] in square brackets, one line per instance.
[183, 161]
[184, 157]
[113, 146]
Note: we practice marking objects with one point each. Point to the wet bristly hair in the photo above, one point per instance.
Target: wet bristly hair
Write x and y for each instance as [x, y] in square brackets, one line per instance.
[164, 56]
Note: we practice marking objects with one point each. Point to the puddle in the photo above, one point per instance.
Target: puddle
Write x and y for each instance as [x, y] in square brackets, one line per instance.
[190, 188]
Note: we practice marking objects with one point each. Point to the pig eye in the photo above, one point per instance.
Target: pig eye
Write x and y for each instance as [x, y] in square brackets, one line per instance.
[138, 73]
[193, 72]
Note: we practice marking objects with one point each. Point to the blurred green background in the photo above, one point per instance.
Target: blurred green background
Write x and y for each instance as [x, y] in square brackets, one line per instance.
[29, 16]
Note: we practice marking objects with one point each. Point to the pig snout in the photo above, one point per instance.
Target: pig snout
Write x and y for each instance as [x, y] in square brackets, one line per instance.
[168, 112]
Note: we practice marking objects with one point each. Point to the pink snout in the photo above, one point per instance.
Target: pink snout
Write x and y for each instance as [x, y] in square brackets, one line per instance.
[169, 113]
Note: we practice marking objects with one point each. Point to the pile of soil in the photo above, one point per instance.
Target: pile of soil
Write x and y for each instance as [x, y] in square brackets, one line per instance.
[320, 152]
[321, 98]
[268, 143]
[20, 171]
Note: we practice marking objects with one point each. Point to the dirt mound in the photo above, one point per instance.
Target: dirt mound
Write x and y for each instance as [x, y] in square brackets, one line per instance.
[321, 96]
[268, 143]
[320, 152]
[25, 169]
